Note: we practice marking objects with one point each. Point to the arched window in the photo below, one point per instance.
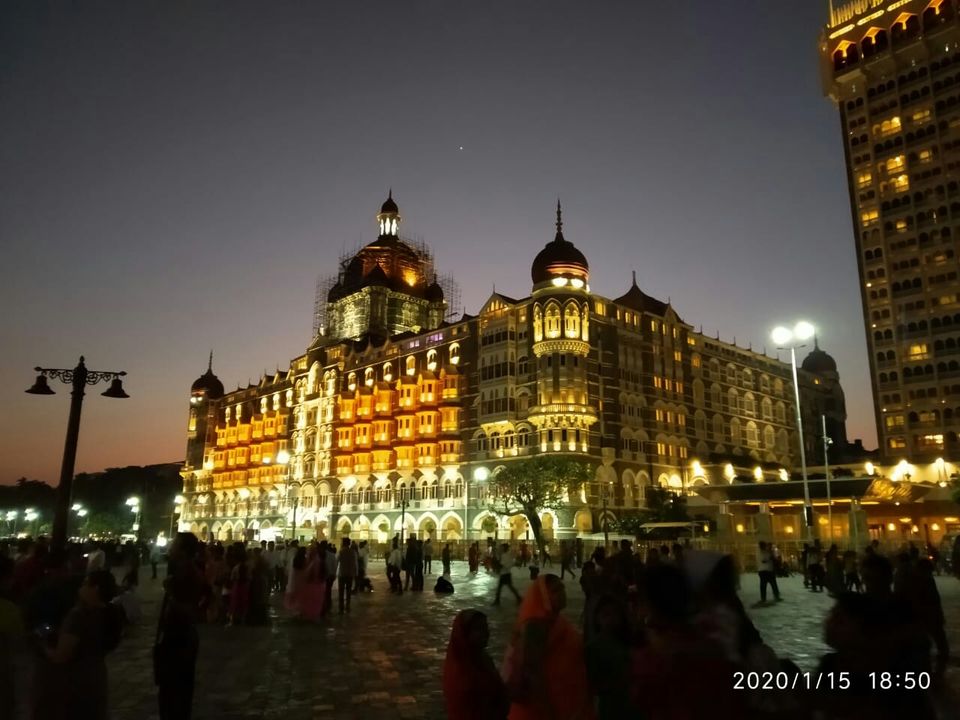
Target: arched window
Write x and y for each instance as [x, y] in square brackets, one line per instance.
[749, 405]
[766, 408]
[537, 324]
[733, 402]
[585, 323]
[769, 438]
[454, 353]
[411, 365]
[368, 377]
[735, 431]
[753, 435]
[571, 321]
[431, 359]
[352, 381]
[551, 320]
[387, 371]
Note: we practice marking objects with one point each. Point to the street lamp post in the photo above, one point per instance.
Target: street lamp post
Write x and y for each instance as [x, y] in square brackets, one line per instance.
[81, 512]
[403, 518]
[177, 503]
[79, 377]
[134, 504]
[283, 458]
[827, 442]
[12, 520]
[785, 338]
[32, 516]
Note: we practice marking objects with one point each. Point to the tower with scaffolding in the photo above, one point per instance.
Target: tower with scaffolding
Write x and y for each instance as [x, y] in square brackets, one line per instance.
[401, 272]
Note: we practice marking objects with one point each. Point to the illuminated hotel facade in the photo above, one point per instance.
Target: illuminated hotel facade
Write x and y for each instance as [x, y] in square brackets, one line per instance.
[397, 414]
[893, 70]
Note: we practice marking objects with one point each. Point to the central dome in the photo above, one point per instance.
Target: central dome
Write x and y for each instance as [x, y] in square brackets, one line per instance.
[559, 258]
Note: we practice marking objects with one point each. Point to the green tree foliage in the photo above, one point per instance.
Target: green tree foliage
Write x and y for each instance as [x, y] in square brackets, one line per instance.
[662, 506]
[529, 486]
[104, 523]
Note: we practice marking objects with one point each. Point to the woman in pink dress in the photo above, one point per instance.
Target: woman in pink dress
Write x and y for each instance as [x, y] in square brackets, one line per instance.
[312, 592]
[295, 582]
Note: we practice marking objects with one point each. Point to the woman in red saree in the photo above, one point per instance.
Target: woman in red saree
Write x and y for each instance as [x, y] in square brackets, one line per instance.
[545, 668]
[472, 687]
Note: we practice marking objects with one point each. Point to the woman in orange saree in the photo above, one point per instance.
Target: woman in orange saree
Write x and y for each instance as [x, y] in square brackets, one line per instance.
[545, 669]
[472, 687]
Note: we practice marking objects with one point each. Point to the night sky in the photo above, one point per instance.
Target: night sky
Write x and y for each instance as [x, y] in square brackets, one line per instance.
[174, 176]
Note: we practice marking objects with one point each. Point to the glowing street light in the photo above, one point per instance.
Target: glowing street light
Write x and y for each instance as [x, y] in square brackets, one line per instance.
[134, 504]
[787, 339]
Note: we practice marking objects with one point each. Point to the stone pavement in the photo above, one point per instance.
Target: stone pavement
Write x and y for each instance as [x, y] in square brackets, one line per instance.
[384, 660]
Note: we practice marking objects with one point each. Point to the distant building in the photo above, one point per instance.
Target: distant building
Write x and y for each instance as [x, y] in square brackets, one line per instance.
[396, 415]
[891, 69]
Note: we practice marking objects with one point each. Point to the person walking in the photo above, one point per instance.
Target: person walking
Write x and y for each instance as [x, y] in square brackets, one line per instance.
[506, 574]
[428, 557]
[329, 556]
[346, 573]
[473, 558]
[363, 555]
[418, 566]
[472, 687]
[445, 559]
[566, 560]
[409, 561]
[177, 642]
[768, 575]
[394, 563]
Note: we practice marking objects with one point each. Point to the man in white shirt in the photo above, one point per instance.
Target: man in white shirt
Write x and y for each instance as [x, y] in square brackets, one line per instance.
[506, 574]
[394, 561]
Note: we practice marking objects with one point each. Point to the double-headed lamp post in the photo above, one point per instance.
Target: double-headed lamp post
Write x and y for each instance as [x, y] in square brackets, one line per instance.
[79, 377]
[790, 339]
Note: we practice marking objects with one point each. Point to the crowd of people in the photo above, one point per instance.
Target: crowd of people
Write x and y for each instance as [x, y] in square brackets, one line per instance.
[652, 624]
[667, 636]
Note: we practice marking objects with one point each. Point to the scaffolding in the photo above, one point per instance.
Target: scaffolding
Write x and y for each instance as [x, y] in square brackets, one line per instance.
[451, 289]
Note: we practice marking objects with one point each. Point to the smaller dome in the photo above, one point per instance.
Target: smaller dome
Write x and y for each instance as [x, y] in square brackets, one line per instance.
[208, 383]
[559, 258]
[819, 362]
[389, 206]
[434, 292]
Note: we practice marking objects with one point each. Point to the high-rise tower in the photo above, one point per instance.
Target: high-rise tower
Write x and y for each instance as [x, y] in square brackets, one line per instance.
[893, 69]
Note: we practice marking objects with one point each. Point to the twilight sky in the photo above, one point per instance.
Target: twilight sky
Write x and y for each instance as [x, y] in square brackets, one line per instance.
[175, 175]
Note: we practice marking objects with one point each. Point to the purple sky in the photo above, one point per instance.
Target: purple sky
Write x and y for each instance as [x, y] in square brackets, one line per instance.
[174, 176]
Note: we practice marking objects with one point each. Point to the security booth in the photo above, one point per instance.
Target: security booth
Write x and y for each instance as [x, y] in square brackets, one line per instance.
[847, 511]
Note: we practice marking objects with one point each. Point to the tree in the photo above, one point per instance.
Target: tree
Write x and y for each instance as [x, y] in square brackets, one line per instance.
[529, 486]
[662, 506]
[105, 523]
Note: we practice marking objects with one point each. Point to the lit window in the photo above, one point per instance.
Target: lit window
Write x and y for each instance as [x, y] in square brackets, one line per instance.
[901, 183]
[925, 156]
[918, 351]
[869, 217]
[864, 180]
[895, 164]
[921, 116]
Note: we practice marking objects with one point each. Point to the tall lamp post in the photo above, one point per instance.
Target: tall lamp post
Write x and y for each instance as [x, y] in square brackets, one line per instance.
[177, 505]
[827, 442]
[12, 521]
[134, 504]
[787, 339]
[79, 377]
[283, 458]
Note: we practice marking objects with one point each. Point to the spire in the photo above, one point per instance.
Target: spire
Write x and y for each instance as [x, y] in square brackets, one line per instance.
[634, 274]
[816, 345]
[210, 363]
[559, 220]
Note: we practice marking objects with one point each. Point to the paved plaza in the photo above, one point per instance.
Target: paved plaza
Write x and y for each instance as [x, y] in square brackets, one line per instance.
[384, 659]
